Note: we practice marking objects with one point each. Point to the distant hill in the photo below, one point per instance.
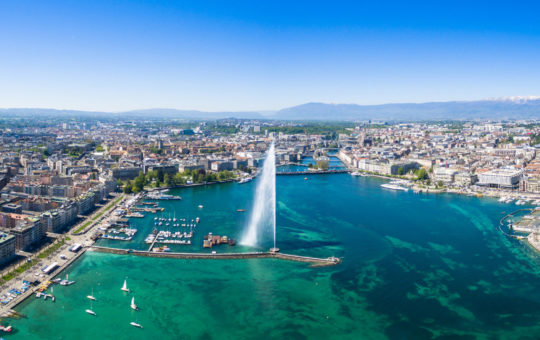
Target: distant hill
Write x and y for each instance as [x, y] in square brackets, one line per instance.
[483, 109]
[496, 109]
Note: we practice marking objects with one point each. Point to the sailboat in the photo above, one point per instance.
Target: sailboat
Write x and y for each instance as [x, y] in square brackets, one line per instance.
[135, 324]
[91, 296]
[133, 305]
[124, 287]
[90, 311]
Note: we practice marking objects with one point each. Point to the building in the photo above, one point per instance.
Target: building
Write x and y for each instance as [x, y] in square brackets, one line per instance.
[500, 178]
[125, 173]
[7, 247]
[445, 175]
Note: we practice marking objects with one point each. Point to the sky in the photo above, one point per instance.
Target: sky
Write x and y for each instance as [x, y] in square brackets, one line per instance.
[263, 55]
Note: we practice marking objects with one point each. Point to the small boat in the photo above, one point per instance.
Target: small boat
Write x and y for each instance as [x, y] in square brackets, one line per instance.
[6, 328]
[240, 210]
[133, 305]
[91, 296]
[200, 206]
[90, 311]
[134, 324]
[305, 178]
[197, 220]
[124, 287]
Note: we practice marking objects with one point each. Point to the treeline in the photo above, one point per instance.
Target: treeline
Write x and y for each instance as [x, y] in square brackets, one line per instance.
[159, 179]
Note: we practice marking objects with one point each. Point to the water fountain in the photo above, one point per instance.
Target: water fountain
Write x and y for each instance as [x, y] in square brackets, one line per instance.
[263, 217]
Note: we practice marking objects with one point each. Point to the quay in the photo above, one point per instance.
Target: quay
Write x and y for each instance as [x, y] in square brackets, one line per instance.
[314, 261]
[314, 172]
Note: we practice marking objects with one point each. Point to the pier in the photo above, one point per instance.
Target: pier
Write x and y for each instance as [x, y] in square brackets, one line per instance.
[314, 261]
[316, 172]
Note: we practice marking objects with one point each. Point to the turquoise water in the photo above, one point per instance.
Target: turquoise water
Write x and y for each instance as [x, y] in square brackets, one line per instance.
[414, 267]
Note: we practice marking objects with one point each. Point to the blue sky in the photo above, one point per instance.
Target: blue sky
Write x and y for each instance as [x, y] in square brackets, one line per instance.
[263, 55]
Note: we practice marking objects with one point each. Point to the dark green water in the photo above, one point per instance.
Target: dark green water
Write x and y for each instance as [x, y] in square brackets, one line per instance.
[414, 267]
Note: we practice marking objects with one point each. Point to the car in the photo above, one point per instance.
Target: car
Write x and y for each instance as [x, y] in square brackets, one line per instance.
[63, 257]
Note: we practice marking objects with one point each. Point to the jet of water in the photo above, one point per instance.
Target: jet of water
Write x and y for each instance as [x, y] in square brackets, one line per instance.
[263, 216]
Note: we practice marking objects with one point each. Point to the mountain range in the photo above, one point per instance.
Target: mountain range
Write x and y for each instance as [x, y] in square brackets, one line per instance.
[496, 109]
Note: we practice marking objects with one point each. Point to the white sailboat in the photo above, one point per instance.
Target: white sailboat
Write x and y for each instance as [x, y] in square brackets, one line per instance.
[133, 305]
[90, 311]
[91, 296]
[124, 287]
[135, 324]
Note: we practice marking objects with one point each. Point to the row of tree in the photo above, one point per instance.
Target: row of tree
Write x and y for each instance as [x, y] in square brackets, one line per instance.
[158, 179]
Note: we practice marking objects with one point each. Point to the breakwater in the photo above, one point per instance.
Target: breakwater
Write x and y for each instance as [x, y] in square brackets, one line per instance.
[314, 261]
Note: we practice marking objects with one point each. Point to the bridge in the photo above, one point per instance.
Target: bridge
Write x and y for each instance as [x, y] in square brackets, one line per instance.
[316, 172]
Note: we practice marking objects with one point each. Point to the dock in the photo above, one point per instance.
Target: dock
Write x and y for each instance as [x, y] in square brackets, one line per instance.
[314, 261]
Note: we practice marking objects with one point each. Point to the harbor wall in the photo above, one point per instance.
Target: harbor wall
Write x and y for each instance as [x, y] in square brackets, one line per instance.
[221, 256]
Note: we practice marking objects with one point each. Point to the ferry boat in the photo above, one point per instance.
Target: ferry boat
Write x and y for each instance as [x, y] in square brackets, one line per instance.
[245, 180]
[356, 173]
[124, 287]
[394, 187]
[134, 324]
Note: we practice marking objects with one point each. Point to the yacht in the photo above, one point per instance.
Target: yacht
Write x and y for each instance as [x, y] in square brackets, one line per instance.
[135, 324]
[133, 305]
[124, 287]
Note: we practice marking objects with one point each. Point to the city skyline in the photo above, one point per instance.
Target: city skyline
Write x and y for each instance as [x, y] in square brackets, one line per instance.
[115, 56]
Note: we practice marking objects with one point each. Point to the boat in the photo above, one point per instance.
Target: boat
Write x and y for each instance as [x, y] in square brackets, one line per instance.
[245, 180]
[134, 324]
[124, 287]
[197, 220]
[90, 311]
[133, 305]
[240, 210]
[394, 187]
[356, 173]
[91, 296]
[6, 328]
[200, 206]
[305, 178]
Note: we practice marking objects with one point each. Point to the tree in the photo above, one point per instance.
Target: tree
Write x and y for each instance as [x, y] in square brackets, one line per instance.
[139, 182]
[421, 174]
[179, 179]
[400, 171]
[323, 165]
[167, 180]
[440, 184]
[127, 189]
